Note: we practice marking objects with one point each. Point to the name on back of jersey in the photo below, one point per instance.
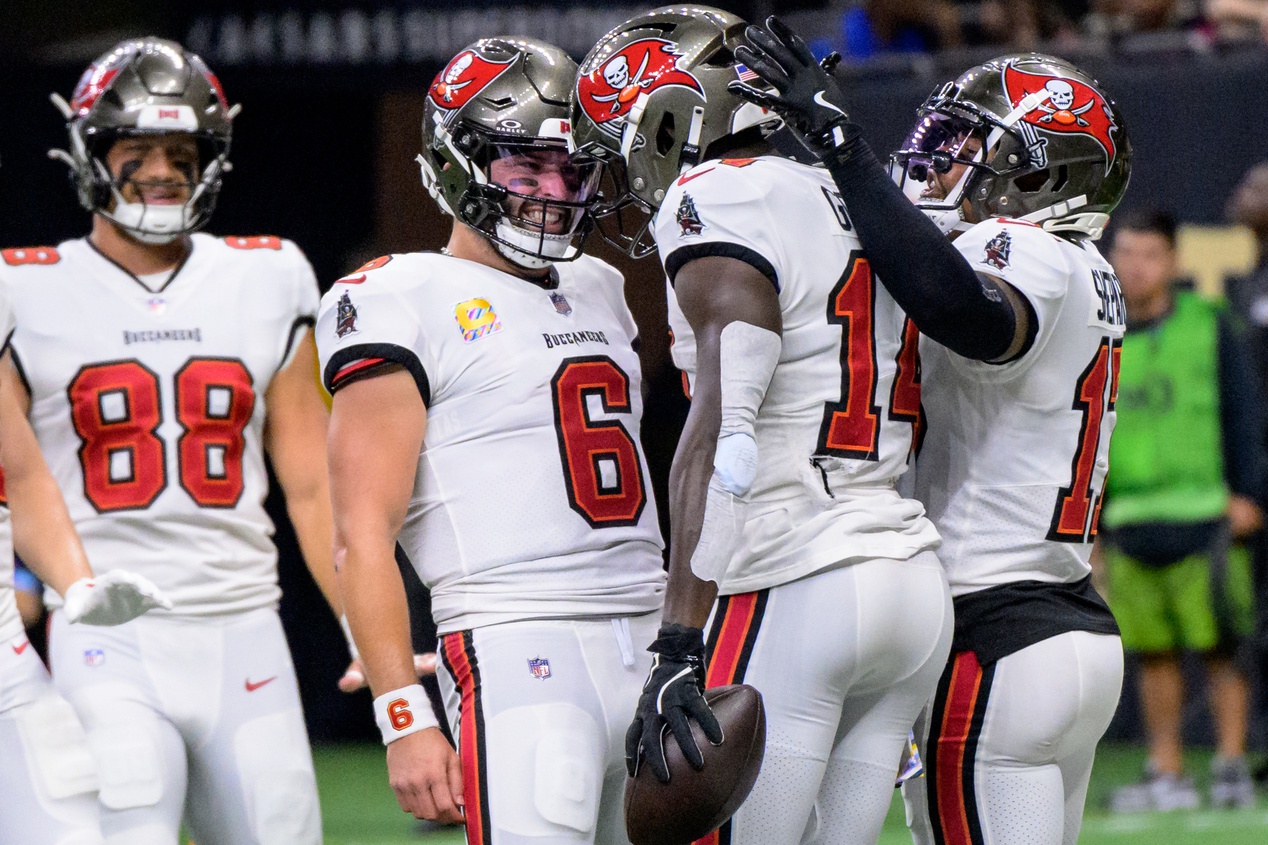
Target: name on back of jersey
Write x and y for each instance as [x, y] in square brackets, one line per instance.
[1108, 309]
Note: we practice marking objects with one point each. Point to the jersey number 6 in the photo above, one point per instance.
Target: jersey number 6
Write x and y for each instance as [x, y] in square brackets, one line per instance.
[117, 409]
[602, 468]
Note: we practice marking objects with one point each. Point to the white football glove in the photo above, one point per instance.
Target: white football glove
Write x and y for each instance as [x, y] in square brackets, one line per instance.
[112, 599]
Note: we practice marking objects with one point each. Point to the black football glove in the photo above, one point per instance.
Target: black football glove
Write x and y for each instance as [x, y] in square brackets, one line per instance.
[810, 100]
[671, 696]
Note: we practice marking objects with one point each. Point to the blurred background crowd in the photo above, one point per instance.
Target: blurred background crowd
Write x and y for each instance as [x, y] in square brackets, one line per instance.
[323, 154]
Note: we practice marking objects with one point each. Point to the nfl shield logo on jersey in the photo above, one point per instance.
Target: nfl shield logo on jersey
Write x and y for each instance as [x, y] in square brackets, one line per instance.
[94, 657]
[345, 316]
[561, 304]
[540, 667]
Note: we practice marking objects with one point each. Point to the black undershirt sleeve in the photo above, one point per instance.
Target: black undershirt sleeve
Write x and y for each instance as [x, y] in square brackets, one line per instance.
[928, 278]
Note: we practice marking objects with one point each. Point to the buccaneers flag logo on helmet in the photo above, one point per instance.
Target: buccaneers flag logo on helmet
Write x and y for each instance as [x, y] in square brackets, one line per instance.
[464, 77]
[1069, 106]
[91, 86]
[640, 67]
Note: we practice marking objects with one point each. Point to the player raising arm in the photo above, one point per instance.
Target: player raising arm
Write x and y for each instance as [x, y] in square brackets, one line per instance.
[1020, 160]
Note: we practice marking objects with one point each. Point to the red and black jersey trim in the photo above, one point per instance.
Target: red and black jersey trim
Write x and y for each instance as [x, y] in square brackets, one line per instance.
[729, 647]
[685, 254]
[458, 653]
[344, 367]
[955, 726]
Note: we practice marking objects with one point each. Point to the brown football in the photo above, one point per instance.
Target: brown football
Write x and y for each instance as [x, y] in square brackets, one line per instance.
[694, 803]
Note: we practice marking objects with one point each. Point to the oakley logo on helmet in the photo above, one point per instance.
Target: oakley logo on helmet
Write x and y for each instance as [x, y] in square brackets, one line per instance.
[91, 86]
[464, 77]
[1069, 107]
[609, 92]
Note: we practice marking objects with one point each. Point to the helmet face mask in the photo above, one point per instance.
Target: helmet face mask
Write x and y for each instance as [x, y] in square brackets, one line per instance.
[1054, 150]
[146, 88]
[496, 150]
[653, 95]
[938, 164]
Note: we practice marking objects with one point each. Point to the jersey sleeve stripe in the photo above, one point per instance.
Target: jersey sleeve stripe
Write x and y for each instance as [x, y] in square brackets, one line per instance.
[334, 376]
[677, 259]
[354, 368]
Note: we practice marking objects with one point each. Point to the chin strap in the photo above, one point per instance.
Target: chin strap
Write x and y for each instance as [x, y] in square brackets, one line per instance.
[1062, 217]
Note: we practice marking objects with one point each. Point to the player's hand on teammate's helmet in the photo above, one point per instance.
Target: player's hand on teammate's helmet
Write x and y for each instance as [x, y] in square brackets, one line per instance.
[116, 597]
[671, 697]
[354, 676]
[426, 776]
[809, 98]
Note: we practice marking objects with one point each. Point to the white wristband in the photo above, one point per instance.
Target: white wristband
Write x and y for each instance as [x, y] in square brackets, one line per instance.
[403, 711]
[347, 635]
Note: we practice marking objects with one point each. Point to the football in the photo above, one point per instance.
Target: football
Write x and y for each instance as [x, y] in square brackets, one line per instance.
[694, 803]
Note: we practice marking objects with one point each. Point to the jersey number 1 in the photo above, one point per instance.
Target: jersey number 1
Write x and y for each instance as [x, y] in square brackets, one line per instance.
[851, 427]
[1094, 395]
[117, 409]
[602, 469]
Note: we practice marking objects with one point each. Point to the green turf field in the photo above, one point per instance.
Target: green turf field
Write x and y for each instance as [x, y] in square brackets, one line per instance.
[359, 808]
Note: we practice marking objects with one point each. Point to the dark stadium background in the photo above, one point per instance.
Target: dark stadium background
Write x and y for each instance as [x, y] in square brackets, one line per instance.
[323, 154]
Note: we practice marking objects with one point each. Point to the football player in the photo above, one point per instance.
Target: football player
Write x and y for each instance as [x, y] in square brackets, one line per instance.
[486, 417]
[151, 358]
[1020, 160]
[48, 778]
[805, 405]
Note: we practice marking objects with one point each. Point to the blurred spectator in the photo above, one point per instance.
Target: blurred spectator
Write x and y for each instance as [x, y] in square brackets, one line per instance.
[1249, 297]
[1249, 294]
[1124, 17]
[1022, 24]
[1239, 17]
[902, 26]
[1185, 486]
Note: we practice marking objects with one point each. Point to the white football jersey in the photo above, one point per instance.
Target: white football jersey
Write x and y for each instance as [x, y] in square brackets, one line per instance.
[837, 424]
[532, 498]
[149, 406]
[10, 621]
[1015, 456]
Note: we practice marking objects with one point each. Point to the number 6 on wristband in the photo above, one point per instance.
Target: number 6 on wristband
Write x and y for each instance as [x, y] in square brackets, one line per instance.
[403, 711]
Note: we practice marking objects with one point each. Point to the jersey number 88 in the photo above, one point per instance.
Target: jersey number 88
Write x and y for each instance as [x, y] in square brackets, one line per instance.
[117, 408]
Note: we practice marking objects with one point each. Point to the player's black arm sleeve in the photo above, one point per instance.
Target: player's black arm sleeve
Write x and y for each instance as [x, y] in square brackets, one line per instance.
[929, 279]
[1241, 416]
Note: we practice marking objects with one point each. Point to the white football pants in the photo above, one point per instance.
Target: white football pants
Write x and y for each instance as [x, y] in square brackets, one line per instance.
[1009, 745]
[197, 717]
[845, 660]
